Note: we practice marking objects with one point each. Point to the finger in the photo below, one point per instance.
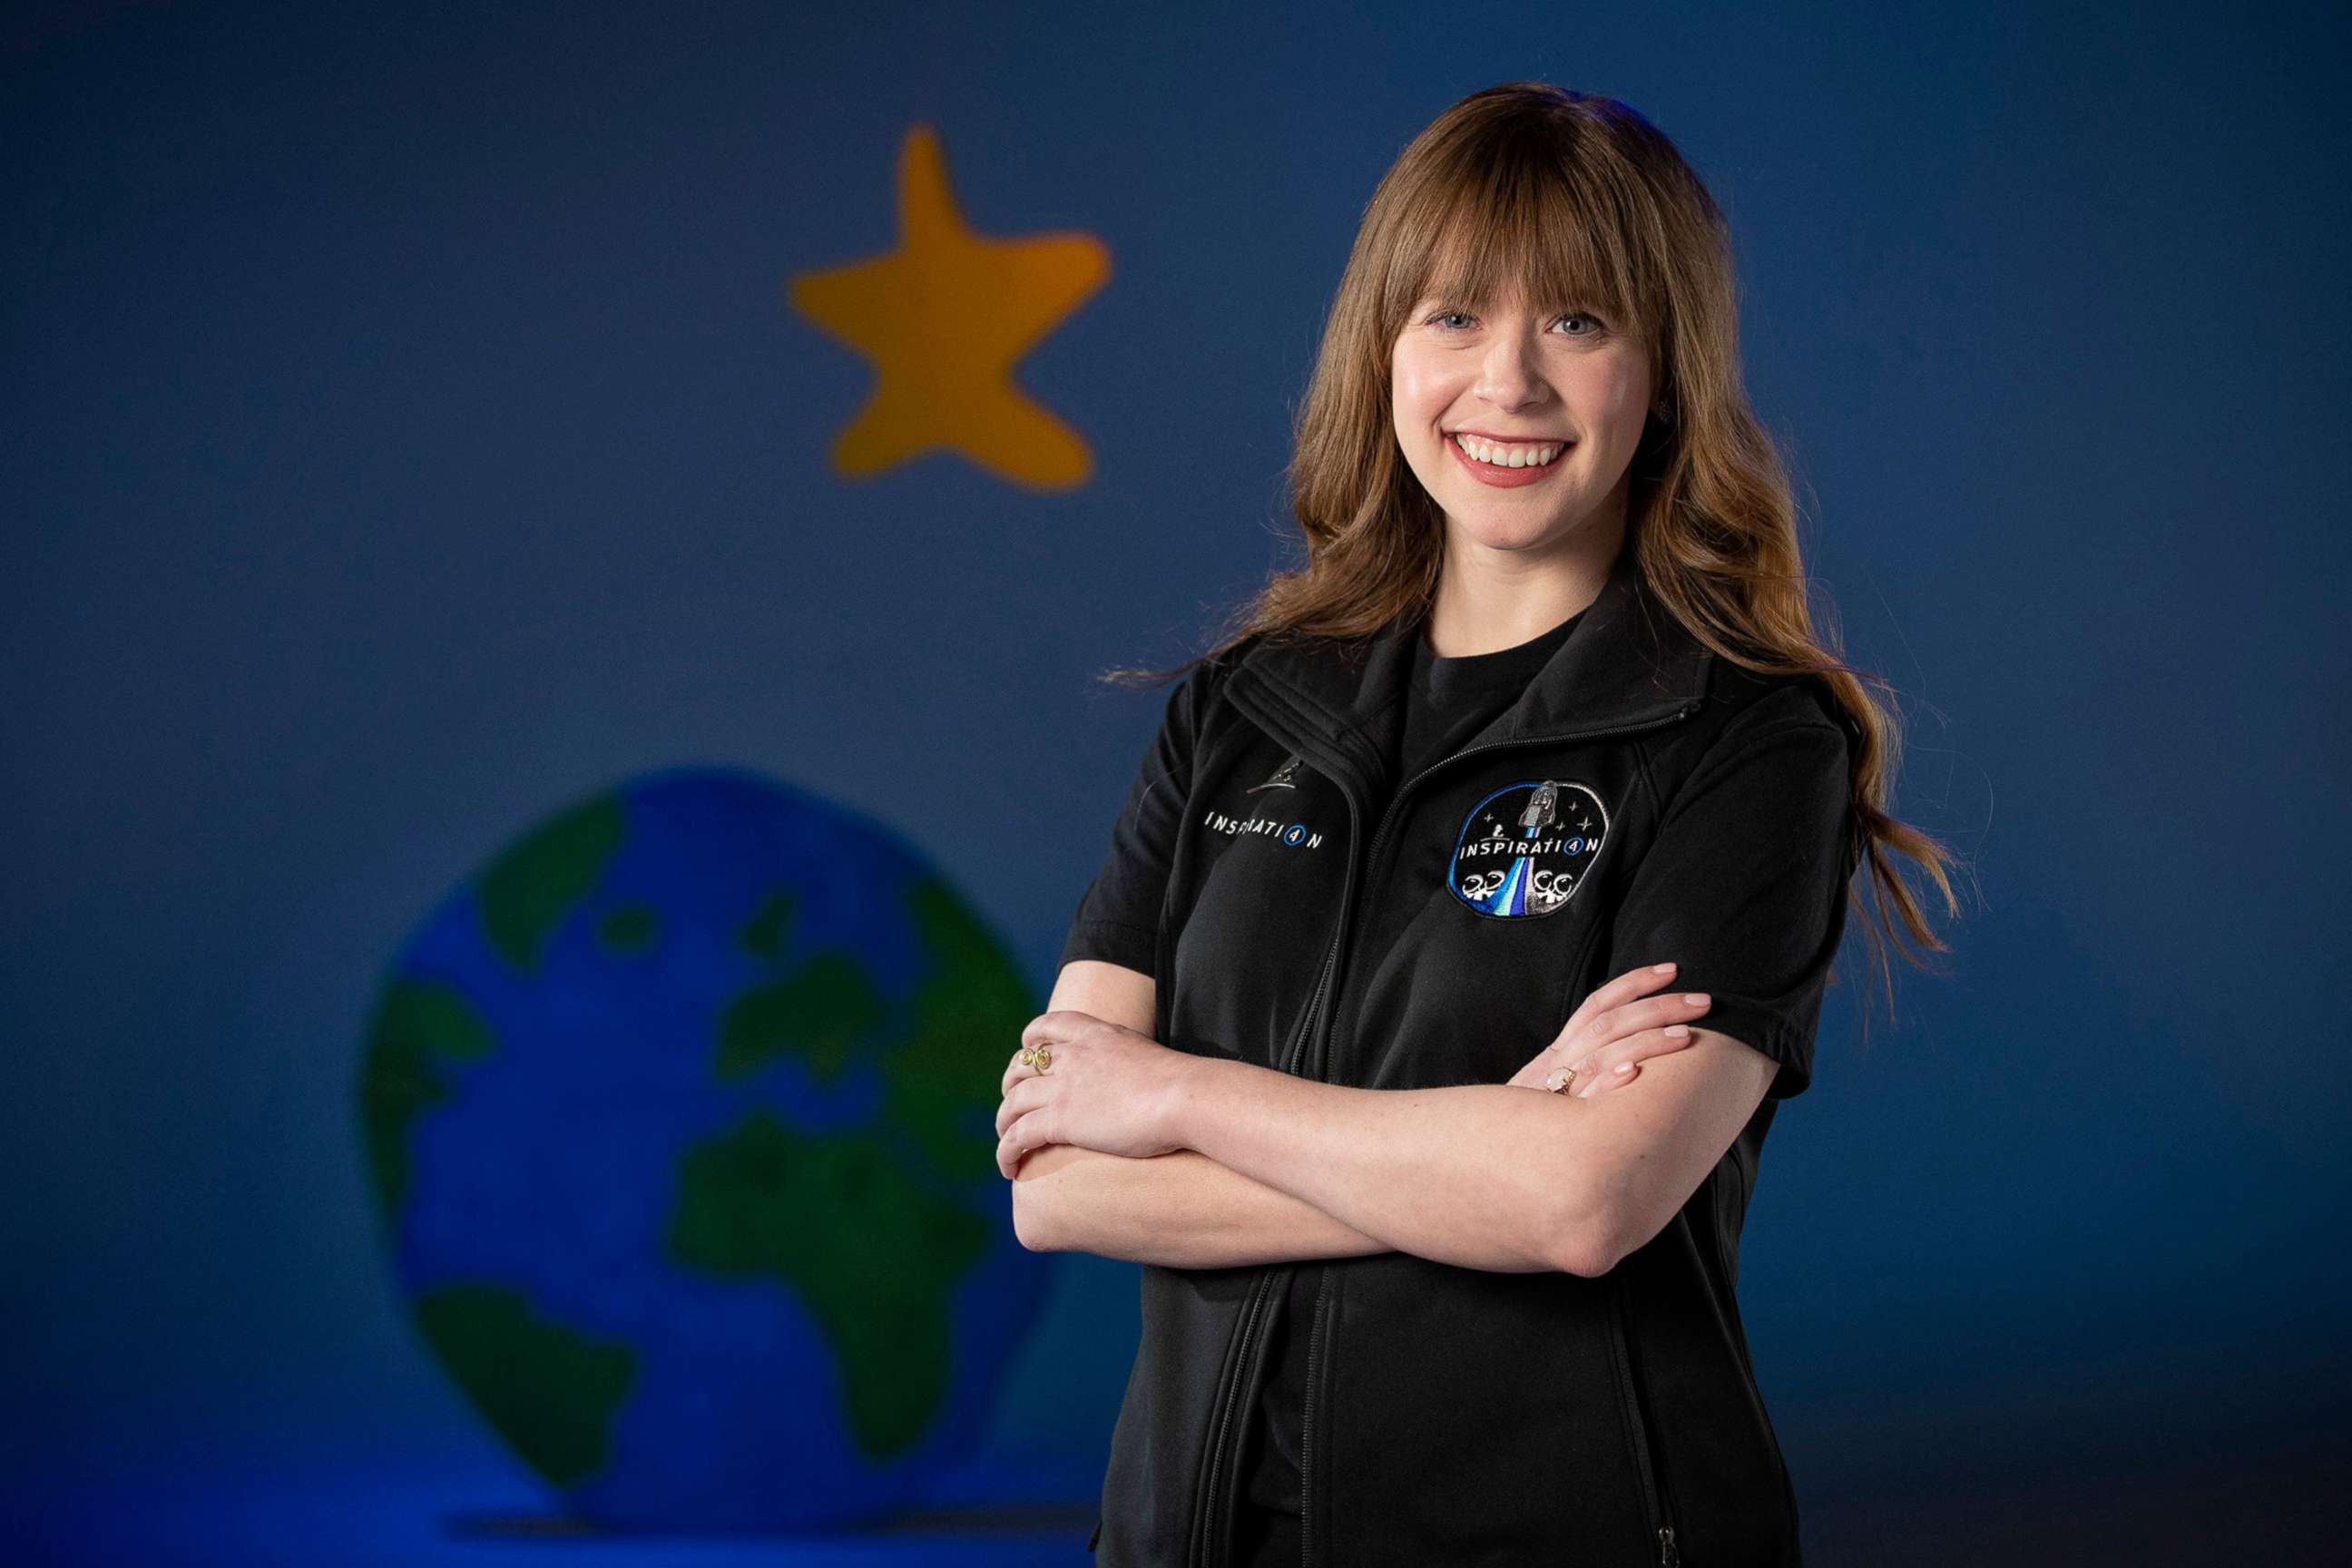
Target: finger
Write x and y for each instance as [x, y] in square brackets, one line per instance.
[1621, 1063]
[1649, 1012]
[1008, 1151]
[1018, 1100]
[1060, 1024]
[1633, 983]
[1601, 1060]
[1615, 1078]
[1020, 1069]
[1025, 1133]
[1015, 1070]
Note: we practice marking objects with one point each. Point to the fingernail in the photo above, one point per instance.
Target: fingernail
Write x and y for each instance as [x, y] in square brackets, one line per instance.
[1662, 969]
[1622, 1069]
[1696, 999]
[1676, 1031]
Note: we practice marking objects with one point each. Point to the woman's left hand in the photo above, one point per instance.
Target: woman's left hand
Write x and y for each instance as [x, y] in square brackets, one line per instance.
[1104, 1087]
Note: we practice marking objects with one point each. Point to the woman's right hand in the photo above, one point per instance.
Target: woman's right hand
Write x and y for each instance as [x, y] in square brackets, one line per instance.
[1617, 1027]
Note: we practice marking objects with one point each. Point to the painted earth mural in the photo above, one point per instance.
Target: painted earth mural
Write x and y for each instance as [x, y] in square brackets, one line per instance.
[681, 1120]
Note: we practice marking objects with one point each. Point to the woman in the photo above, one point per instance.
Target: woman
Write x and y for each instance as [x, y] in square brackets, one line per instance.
[1542, 732]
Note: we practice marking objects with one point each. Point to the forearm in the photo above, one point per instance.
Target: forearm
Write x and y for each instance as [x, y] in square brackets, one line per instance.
[1182, 1210]
[1474, 1175]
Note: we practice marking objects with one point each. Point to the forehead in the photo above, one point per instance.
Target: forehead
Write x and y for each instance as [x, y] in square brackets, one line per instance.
[1555, 237]
[1498, 273]
[1504, 293]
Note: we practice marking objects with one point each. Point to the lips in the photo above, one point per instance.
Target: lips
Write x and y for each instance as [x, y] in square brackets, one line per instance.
[1500, 477]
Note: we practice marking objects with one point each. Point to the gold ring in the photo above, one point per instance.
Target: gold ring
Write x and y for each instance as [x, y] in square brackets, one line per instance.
[1561, 1079]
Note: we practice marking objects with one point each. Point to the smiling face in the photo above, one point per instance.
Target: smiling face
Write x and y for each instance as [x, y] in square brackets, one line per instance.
[1568, 386]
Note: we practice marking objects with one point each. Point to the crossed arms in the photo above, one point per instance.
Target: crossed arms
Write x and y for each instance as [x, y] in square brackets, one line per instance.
[1484, 1175]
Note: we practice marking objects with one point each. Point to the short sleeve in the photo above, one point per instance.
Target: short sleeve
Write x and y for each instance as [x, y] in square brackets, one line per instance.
[1117, 917]
[1745, 887]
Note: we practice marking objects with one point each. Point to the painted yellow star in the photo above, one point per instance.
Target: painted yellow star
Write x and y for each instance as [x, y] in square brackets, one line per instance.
[945, 317]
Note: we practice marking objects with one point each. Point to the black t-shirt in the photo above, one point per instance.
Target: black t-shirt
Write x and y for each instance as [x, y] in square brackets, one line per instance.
[1447, 701]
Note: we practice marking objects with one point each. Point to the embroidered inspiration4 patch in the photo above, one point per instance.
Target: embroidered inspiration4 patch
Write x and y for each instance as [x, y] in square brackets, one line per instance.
[1525, 850]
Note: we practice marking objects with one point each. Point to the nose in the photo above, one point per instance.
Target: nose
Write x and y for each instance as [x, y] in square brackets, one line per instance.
[1507, 376]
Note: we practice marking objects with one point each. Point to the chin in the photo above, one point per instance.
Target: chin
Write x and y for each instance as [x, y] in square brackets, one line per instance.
[1503, 513]
[1507, 535]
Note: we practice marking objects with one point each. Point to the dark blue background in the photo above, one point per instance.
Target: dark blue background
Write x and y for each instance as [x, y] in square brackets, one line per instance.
[406, 431]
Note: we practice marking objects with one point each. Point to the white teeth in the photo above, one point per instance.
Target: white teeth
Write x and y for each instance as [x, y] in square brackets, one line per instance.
[1508, 457]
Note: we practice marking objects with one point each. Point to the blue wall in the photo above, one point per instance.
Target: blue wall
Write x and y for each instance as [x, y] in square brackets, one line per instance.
[406, 431]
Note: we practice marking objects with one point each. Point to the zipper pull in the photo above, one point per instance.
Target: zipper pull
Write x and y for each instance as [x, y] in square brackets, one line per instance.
[1668, 1557]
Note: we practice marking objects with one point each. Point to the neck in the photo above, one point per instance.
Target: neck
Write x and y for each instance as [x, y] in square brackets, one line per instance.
[1490, 599]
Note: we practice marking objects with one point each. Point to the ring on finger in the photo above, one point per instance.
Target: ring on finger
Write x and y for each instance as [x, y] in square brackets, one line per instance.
[1561, 1081]
[1038, 1056]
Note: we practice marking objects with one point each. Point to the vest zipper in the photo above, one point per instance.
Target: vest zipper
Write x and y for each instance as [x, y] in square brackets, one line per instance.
[1306, 1420]
[1629, 1399]
[1214, 1547]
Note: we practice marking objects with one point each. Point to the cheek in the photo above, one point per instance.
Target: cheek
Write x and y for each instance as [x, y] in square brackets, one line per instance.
[1617, 394]
[1407, 393]
[1419, 391]
[1617, 399]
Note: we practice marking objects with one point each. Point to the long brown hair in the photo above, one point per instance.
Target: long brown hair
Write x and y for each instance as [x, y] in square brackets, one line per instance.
[1587, 205]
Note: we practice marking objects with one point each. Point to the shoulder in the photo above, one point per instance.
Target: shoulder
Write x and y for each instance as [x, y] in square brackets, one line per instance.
[1193, 699]
[1744, 719]
[1740, 699]
[1215, 667]
[1206, 682]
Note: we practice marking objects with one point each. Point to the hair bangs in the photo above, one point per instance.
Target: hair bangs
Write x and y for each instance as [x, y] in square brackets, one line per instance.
[1531, 225]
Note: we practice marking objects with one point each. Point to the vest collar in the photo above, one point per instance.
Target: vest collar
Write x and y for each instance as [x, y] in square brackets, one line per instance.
[1628, 663]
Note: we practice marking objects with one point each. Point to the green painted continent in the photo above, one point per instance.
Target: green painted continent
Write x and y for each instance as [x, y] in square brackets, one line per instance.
[549, 1390]
[526, 892]
[419, 1026]
[868, 1252]
[942, 1083]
